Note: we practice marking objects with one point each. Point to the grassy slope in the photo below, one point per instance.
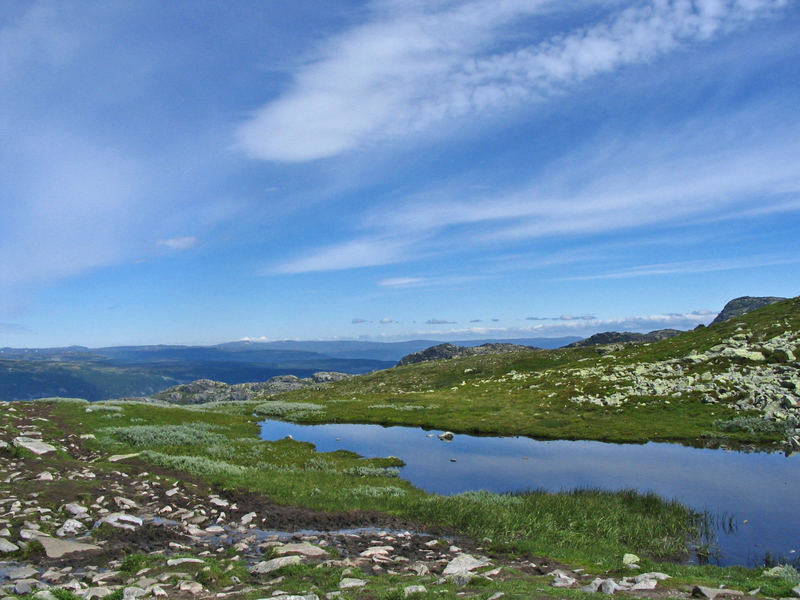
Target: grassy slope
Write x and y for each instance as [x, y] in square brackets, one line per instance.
[528, 393]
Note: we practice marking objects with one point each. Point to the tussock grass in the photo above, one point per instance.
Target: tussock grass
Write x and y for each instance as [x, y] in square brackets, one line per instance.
[149, 436]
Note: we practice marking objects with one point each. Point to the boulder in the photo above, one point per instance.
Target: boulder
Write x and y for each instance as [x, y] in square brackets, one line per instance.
[55, 548]
[268, 566]
[464, 563]
[38, 447]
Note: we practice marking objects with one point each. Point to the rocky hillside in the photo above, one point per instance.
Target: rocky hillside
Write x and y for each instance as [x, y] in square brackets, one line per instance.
[740, 306]
[206, 390]
[446, 351]
[616, 337]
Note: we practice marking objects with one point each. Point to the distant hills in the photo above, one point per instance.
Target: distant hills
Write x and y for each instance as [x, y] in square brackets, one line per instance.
[125, 371]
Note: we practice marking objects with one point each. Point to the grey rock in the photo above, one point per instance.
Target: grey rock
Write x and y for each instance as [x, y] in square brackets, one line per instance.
[70, 527]
[304, 548]
[700, 591]
[268, 566]
[23, 572]
[76, 509]
[44, 595]
[563, 581]
[6, 546]
[175, 562]
[133, 592]
[24, 586]
[796, 591]
[294, 597]
[609, 586]
[447, 351]
[464, 563]
[38, 447]
[743, 305]
[351, 582]
[414, 589]
[122, 521]
[55, 548]
[96, 592]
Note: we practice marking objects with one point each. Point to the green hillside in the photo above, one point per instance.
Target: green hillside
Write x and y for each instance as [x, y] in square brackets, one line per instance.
[734, 383]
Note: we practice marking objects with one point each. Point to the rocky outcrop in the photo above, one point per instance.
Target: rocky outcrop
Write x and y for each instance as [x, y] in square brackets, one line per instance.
[740, 306]
[616, 337]
[446, 351]
[206, 390]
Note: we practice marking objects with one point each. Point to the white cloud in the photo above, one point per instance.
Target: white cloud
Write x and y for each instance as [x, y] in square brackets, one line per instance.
[691, 266]
[178, 243]
[414, 67]
[439, 322]
[358, 321]
[364, 252]
[386, 321]
[401, 282]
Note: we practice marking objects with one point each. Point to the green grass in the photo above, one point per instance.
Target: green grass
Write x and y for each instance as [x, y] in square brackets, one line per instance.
[531, 393]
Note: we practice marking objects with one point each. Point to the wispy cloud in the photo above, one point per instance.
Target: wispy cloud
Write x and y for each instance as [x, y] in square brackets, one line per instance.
[439, 322]
[358, 321]
[416, 66]
[691, 266]
[178, 243]
[402, 282]
[386, 321]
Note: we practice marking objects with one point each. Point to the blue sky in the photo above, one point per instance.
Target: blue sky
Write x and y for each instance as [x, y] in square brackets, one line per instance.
[200, 172]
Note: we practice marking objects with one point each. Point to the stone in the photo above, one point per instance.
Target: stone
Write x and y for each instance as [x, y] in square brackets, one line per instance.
[563, 581]
[248, 518]
[158, 592]
[45, 476]
[133, 592]
[76, 509]
[70, 527]
[350, 582]
[796, 591]
[24, 586]
[609, 586]
[414, 589]
[304, 548]
[630, 559]
[268, 566]
[700, 591]
[174, 562]
[192, 587]
[96, 592]
[24, 572]
[119, 457]
[38, 447]
[651, 575]
[464, 563]
[645, 584]
[293, 597]
[55, 548]
[376, 551]
[122, 521]
[6, 546]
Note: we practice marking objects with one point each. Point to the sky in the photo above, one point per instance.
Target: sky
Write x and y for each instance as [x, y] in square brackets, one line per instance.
[202, 172]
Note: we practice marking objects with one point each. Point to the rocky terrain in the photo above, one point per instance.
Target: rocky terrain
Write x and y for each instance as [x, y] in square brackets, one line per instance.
[206, 390]
[101, 526]
[616, 337]
[743, 305]
[447, 351]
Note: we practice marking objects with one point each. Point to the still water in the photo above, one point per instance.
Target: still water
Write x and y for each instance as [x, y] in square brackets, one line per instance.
[758, 494]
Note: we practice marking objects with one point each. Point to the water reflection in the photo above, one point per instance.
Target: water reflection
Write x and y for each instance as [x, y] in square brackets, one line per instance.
[751, 497]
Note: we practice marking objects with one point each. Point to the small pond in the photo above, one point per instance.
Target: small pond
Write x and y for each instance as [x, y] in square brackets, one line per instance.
[754, 497]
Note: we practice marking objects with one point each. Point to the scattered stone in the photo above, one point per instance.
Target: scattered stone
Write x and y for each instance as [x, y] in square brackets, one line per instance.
[192, 587]
[44, 595]
[6, 546]
[70, 527]
[268, 566]
[700, 591]
[55, 548]
[446, 436]
[304, 548]
[133, 592]
[248, 518]
[24, 572]
[464, 563]
[376, 551]
[563, 581]
[76, 509]
[350, 582]
[38, 447]
[630, 559]
[174, 562]
[119, 457]
[96, 592]
[45, 476]
[414, 589]
[796, 591]
[122, 521]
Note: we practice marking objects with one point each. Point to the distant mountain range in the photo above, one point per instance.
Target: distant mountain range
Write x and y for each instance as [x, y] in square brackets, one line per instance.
[120, 371]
